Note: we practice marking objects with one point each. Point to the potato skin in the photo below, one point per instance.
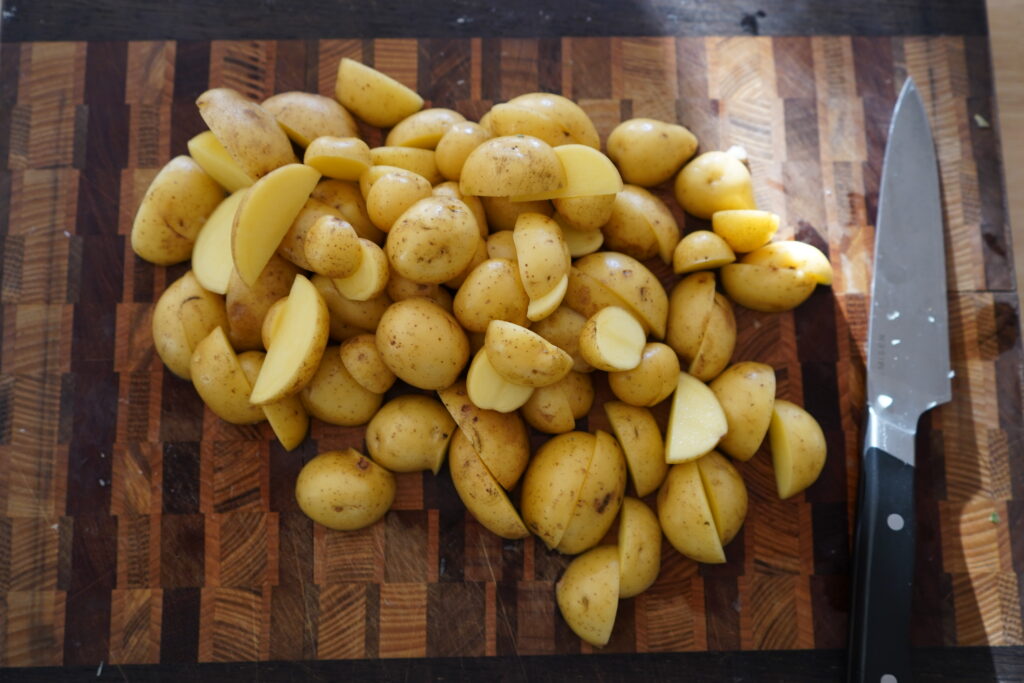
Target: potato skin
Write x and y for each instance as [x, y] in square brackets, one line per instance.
[588, 594]
[249, 133]
[639, 543]
[344, 490]
[746, 392]
[335, 397]
[648, 152]
[553, 482]
[480, 492]
[433, 241]
[410, 433]
[651, 382]
[422, 343]
[491, 291]
[247, 306]
[307, 116]
[220, 380]
[361, 358]
[184, 314]
[524, 357]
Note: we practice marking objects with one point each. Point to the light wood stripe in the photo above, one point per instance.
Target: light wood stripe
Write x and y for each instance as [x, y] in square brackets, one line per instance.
[341, 631]
[403, 620]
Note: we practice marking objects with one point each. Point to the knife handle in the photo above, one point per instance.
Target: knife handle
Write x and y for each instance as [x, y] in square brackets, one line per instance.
[883, 571]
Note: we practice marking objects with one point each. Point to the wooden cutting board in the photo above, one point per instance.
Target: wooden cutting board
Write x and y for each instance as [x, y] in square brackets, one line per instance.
[135, 527]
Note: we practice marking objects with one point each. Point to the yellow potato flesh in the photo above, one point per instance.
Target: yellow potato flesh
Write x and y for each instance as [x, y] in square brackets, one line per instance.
[746, 392]
[211, 255]
[370, 278]
[423, 129]
[588, 594]
[287, 417]
[686, 517]
[524, 357]
[696, 422]
[489, 390]
[546, 304]
[588, 172]
[745, 230]
[338, 158]
[220, 381]
[798, 448]
[580, 242]
[296, 346]
[480, 493]
[613, 340]
[206, 149]
[265, 214]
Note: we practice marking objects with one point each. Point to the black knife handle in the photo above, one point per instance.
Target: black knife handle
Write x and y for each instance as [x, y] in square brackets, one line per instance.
[883, 571]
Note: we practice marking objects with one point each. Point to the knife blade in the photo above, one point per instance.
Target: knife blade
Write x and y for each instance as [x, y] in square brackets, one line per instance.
[908, 373]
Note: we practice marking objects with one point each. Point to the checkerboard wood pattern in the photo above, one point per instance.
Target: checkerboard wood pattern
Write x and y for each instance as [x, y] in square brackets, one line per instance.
[135, 527]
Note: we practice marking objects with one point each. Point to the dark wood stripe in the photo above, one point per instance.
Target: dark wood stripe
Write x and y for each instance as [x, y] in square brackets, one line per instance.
[405, 547]
[829, 610]
[444, 71]
[873, 62]
[455, 619]
[10, 65]
[591, 68]
[506, 629]
[180, 477]
[439, 494]
[179, 627]
[995, 227]
[89, 478]
[490, 69]
[831, 540]
[723, 619]
[290, 66]
[794, 67]
[191, 78]
[93, 576]
[372, 631]
[182, 550]
[549, 61]
[235, 19]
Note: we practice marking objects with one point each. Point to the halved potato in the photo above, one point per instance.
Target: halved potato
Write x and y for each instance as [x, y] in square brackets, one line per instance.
[562, 328]
[639, 548]
[480, 492]
[648, 151]
[587, 171]
[488, 389]
[686, 517]
[586, 214]
[566, 112]
[524, 357]
[419, 161]
[555, 408]
[249, 133]
[542, 254]
[183, 316]
[491, 291]
[744, 230]
[641, 442]
[410, 433]
[511, 166]
[696, 422]
[701, 250]
[612, 340]
[746, 392]
[634, 283]
[332, 247]
[718, 342]
[588, 594]
[307, 116]
[766, 288]
[373, 96]
[689, 309]
[599, 498]
[641, 225]
[344, 490]
[207, 151]
[726, 493]
[650, 382]
[424, 129]
[342, 158]
[334, 396]
[798, 448]
[511, 119]
[795, 255]
[580, 242]
[456, 144]
[211, 255]
[553, 483]
[296, 347]
[220, 381]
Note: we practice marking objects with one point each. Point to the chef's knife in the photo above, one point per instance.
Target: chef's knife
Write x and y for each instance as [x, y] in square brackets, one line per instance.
[908, 373]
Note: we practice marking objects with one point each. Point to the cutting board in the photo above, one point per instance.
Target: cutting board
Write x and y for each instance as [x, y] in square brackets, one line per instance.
[136, 527]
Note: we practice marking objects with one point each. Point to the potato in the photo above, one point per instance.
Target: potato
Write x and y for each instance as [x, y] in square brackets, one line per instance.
[247, 306]
[612, 340]
[746, 392]
[562, 328]
[392, 194]
[641, 225]
[400, 288]
[450, 188]
[342, 158]
[363, 361]
[419, 161]
[566, 112]
[335, 396]
[346, 198]
[700, 250]
[249, 133]
[456, 144]
[287, 417]
[686, 517]
[726, 494]
[587, 173]
[579, 242]
[552, 484]
[480, 492]
[265, 215]
[555, 408]
[492, 291]
[296, 347]
[641, 442]
[479, 256]
[511, 119]
[211, 255]
[649, 152]
[347, 314]
[586, 214]
[795, 255]
[524, 357]
[424, 129]
[798, 448]
[370, 277]
[766, 288]
[714, 181]
[176, 205]
[293, 244]
[410, 433]
[511, 166]
[488, 389]
[690, 306]
[422, 343]
[499, 439]
[332, 247]
[433, 241]
[588, 594]
[543, 261]
[207, 151]
[599, 499]
[344, 490]
[502, 245]
[639, 544]
[220, 381]
[503, 213]
[696, 422]
[650, 382]
[270, 322]
[718, 342]
[587, 296]
[745, 230]
[634, 283]
[373, 96]
[305, 117]
[183, 316]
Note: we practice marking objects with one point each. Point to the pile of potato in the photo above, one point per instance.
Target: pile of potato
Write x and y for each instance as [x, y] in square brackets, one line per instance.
[499, 264]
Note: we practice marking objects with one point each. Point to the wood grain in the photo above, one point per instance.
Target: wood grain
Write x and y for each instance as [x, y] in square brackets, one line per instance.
[137, 528]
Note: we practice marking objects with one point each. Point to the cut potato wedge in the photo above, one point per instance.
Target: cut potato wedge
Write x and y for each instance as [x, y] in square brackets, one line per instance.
[766, 288]
[635, 284]
[689, 309]
[338, 158]
[613, 340]
[798, 448]
[642, 444]
[639, 548]
[489, 390]
[370, 278]
[746, 392]
[701, 250]
[588, 172]
[211, 255]
[307, 116]
[553, 483]
[546, 304]
[373, 96]
[726, 493]
[580, 242]
[794, 255]
[265, 214]
[287, 417]
[206, 149]
[696, 422]
[485, 499]
[220, 381]
[249, 133]
[588, 594]
[744, 230]
[599, 499]
[686, 517]
[296, 347]
[524, 357]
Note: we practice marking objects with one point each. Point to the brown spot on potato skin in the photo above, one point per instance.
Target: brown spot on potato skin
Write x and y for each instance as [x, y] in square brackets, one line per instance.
[363, 464]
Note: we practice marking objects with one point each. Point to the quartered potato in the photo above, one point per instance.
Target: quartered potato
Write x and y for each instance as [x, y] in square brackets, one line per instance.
[639, 543]
[488, 388]
[798, 448]
[641, 442]
[612, 340]
[207, 151]
[305, 117]
[696, 423]
[287, 417]
[247, 307]
[334, 396]
[588, 594]
[249, 133]
[373, 96]
[184, 315]
[650, 382]
[701, 250]
[480, 492]
[554, 409]
[641, 225]
[220, 381]
[746, 392]
[211, 255]
[524, 357]
[633, 283]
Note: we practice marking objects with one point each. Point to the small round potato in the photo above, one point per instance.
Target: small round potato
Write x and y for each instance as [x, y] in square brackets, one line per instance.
[641, 225]
[392, 194]
[335, 397]
[524, 357]
[361, 358]
[348, 200]
[562, 328]
[588, 594]
[183, 316]
[420, 161]
[701, 250]
[714, 181]
[332, 247]
[651, 382]
[422, 343]
[648, 152]
[450, 188]
[553, 482]
[293, 244]
[766, 288]
[410, 433]
[555, 408]
[424, 129]
[566, 112]
[587, 213]
[491, 291]
[403, 288]
[502, 212]
[455, 145]
[511, 165]
[344, 490]
[502, 245]
[433, 241]
[798, 448]
[612, 340]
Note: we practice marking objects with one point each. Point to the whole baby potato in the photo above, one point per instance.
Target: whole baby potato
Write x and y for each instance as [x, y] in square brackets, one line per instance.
[511, 165]
[183, 316]
[567, 113]
[334, 395]
[293, 244]
[392, 194]
[422, 343]
[424, 129]
[403, 288]
[767, 288]
[348, 200]
[714, 181]
[648, 151]
[651, 382]
[491, 291]
[555, 408]
[344, 490]
[410, 433]
[455, 145]
[433, 241]
[450, 188]
[332, 248]
[361, 358]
